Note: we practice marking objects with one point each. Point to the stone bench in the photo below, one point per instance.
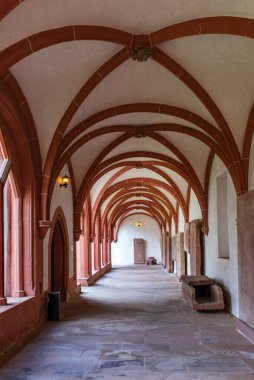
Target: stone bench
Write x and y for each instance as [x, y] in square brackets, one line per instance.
[202, 293]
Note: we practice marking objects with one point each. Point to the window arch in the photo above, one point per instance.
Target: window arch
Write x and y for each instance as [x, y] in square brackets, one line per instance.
[11, 272]
[16, 218]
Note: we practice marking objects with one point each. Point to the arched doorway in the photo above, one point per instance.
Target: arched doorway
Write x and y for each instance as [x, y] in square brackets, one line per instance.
[59, 261]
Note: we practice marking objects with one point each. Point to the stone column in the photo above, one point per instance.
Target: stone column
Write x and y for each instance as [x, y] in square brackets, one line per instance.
[163, 249]
[87, 256]
[187, 237]
[245, 235]
[104, 246]
[108, 250]
[175, 250]
[97, 246]
[104, 251]
[84, 252]
[3, 300]
[16, 237]
[87, 246]
[169, 253]
[80, 260]
[180, 255]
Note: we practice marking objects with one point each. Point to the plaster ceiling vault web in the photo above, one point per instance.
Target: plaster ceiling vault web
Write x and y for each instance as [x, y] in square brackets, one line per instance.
[125, 127]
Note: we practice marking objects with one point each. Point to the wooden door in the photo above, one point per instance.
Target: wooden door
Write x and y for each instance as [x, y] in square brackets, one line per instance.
[58, 258]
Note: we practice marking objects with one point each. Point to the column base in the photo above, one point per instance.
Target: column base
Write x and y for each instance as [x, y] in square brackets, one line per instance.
[18, 293]
[82, 280]
[3, 301]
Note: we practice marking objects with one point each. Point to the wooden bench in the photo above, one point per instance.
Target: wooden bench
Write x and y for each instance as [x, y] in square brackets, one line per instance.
[202, 293]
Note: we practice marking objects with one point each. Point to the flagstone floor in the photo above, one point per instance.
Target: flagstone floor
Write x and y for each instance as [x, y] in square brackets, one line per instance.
[133, 325]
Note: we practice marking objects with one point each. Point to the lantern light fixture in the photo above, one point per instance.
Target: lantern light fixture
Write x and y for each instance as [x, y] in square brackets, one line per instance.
[139, 224]
[64, 181]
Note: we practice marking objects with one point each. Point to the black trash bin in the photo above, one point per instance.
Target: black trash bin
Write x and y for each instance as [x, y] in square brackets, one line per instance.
[53, 306]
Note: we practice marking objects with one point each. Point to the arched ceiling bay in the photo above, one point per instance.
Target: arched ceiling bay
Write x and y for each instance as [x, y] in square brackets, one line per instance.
[123, 125]
[50, 80]
[135, 83]
[224, 66]
[83, 158]
[137, 118]
[190, 150]
[134, 145]
[131, 15]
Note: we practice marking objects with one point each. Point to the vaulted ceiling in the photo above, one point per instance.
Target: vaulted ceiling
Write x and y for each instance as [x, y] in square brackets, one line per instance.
[137, 136]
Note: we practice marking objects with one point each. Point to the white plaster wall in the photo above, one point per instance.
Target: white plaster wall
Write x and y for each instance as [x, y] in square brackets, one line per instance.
[194, 208]
[251, 167]
[225, 271]
[123, 251]
[61, 197]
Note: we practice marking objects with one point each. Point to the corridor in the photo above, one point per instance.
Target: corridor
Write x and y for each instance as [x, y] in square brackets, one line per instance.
[133, 325]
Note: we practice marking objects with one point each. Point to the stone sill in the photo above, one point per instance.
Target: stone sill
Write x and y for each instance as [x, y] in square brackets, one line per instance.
[14, 302]
[97, 274]
[223, 258]
[94, 272]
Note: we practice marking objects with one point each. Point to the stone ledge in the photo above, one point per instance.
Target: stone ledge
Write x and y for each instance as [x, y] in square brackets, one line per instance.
[95, 276]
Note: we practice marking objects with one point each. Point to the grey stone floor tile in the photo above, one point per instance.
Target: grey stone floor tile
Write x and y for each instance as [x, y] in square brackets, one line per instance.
[103, 376]
[188, 376]
[133, 324]
[217, 365]
[233, 376]
[147, 376]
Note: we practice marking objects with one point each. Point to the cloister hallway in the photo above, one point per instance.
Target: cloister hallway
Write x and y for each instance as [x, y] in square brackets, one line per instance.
[133, 324]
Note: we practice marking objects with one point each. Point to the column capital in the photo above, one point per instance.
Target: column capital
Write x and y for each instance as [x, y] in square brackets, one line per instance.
[92, 236]
[44, 226]
[77, 233]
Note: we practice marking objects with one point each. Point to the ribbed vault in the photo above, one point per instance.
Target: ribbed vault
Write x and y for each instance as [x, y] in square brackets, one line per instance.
[137, 137]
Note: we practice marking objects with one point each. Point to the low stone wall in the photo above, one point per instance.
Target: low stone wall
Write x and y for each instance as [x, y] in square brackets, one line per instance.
[91, 280]
[19, 322]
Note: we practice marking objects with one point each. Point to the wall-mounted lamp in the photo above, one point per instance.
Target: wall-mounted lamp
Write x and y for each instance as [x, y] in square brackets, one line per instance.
[64, 181]
[139, 224]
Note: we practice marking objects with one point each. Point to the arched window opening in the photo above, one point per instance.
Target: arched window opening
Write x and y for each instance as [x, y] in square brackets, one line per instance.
[12, 240]
[11, 271]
